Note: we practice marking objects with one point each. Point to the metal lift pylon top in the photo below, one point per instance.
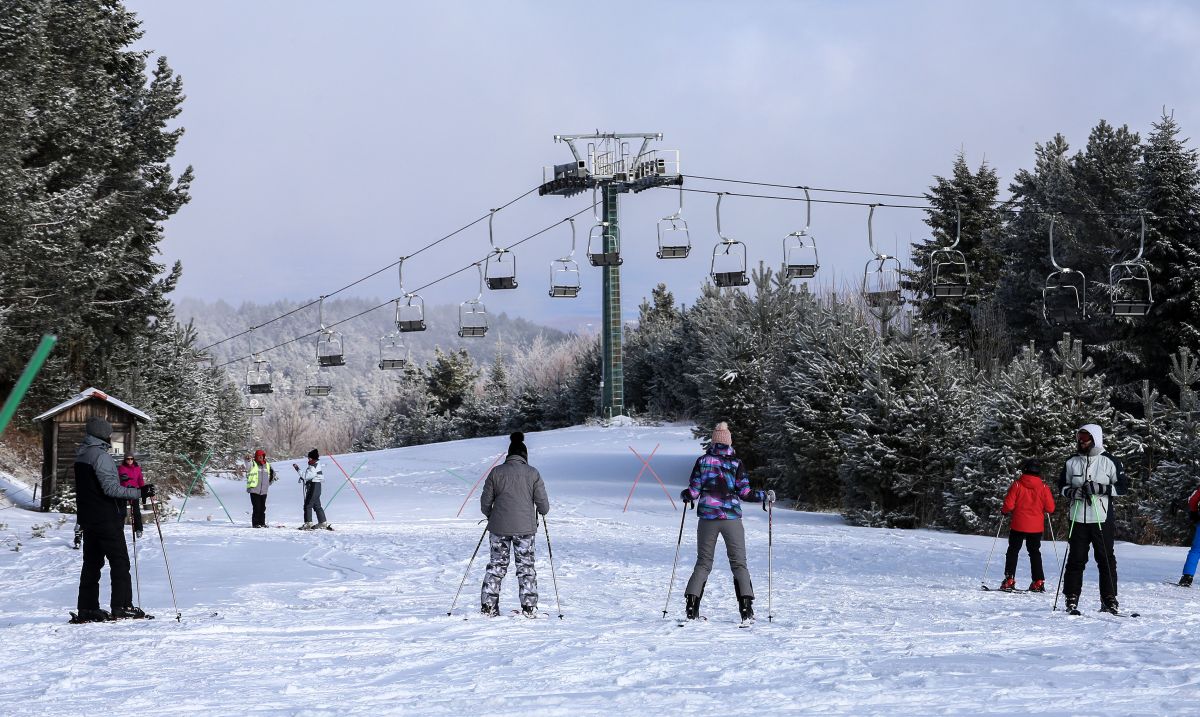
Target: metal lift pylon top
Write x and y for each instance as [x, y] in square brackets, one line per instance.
[605, 162]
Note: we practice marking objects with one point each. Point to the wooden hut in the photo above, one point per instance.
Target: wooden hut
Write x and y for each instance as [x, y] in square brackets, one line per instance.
[62, 432]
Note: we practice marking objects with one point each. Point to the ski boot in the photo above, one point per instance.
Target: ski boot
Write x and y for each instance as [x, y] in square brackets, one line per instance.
[1109, 605]
[323, 526]
[89, 615]
[1073, 605]
[1008, 584]
[307, 526]
[529, 611]
[1037, 586]
[692, 606]
[489, 610]
[1185, 581]
[746, 610]
[128, 612]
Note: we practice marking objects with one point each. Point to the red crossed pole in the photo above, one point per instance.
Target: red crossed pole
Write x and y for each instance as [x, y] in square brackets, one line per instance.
[356, 490]
[485, 474]
[646, 465]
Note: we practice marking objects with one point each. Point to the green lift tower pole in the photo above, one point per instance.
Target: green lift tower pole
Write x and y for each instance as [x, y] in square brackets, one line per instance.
[611, 169]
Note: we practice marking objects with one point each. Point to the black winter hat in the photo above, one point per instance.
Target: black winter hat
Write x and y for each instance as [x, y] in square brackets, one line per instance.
[1032, 466]
[98, 427]
[516, 446]
[313, 455]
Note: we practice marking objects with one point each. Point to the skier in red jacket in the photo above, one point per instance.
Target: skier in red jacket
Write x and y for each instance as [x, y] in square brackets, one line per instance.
[1028, 499]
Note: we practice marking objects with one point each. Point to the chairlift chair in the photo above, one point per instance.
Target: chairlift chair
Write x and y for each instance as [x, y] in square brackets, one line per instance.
[472, 314]
[329, 342]
[604, 240]
[1133, 293]
[500, 268]
[733, 265]
[410, 316]
[881, 279]
[258, 376]
[319, 382]
[564, 273]
[393, 354]
[1064, 296]
[674, 242]
[800, 260]
[948, 271]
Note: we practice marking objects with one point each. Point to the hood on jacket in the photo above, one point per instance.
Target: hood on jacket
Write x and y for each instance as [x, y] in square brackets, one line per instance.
[1097, 438]
[719, 449]
[1030, 480]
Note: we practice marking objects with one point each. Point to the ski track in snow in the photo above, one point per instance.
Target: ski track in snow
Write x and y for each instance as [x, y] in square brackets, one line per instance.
[354, 621]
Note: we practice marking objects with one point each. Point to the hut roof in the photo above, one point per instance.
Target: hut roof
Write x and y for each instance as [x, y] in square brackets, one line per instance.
[85, 395]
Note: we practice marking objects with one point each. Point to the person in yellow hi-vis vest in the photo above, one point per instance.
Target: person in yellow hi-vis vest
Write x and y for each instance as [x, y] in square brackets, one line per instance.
[260, 476]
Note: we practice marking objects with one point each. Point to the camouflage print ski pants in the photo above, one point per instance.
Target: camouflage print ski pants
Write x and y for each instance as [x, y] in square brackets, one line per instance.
[497, 568]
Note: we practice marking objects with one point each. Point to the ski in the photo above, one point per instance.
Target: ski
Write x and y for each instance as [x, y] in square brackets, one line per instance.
[1175, 584]
[75, 620]
[682, 622]
[985, 588]
[534, 615]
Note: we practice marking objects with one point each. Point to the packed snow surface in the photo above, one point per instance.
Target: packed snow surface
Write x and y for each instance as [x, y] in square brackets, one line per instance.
[280, 621]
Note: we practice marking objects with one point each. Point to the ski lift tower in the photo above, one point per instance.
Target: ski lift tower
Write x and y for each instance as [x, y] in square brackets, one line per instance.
[607, 164]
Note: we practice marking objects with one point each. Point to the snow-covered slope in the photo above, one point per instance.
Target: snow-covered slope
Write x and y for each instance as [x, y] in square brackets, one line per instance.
[354, 621]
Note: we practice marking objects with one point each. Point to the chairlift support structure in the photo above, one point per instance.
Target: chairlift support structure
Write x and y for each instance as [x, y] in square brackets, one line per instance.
[800, 260]
[881, 278]
[733, 271]
[330, 351]
[472, 313]
[1132, 290]
[1064, 296]
[410, 316]
[564, 272]
[500, 267]
[949, 274]
[674, 242]
[607, 163]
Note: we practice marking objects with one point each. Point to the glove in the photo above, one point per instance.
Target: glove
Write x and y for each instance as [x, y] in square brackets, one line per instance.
[686, 496]
[1194, 515]
[79, 534]
[147, 490]
[769, 496]
[296, 467]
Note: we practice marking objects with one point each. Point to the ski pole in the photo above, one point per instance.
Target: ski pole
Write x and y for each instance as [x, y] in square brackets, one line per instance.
[988, 564]
[137, 580]
[1053, 543]
[770, 545]
[671, 585]
[468, 572]
[1112, 575]
[550, 551]
[1066, 552]
[167, 563]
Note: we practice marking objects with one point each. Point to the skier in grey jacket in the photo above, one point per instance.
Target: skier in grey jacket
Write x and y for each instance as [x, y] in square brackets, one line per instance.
[1090, 479]
[513, 496]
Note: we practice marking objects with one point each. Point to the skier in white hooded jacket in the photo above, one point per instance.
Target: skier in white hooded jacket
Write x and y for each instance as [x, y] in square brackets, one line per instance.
[1090, 479]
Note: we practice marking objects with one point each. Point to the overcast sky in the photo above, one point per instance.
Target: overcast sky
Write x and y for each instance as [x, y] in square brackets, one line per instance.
[330, 138]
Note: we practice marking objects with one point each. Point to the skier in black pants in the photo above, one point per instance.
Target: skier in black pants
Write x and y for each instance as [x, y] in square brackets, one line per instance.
[101, 501]
[1090, 479]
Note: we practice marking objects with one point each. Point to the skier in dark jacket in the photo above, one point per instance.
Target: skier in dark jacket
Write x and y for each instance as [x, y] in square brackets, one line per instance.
[718, 485]
[1028, 501]
[1193, 556]
[1090, 479]
[101, 501]
[513, 496]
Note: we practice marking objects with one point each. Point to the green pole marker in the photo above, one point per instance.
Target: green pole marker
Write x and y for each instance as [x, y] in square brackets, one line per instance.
[343, 485]
[31, 369]
[464, 480]
[199, 476]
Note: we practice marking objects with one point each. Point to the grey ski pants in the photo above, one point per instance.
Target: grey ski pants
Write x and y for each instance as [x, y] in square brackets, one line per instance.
[312, 501]
[497, 568]
[734, 535]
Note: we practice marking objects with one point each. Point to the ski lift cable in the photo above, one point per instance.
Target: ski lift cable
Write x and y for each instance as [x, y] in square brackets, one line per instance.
[390, 301]
[369, 276]
[1003, 204]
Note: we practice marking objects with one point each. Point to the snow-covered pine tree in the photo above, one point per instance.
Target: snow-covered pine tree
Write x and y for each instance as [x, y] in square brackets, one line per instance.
[1163, 505]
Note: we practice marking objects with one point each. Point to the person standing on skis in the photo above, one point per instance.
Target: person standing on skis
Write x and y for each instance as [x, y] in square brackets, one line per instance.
[1090, 479]
[1028, 501]
[258, 479]
[131, 477]
[311, 478]
[100, 502]
[1193, 556]
[513, 496]
[718, 485]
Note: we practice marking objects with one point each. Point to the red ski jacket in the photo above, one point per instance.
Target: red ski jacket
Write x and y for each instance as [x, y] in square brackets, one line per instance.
[1028, 497]
[1194, 501]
